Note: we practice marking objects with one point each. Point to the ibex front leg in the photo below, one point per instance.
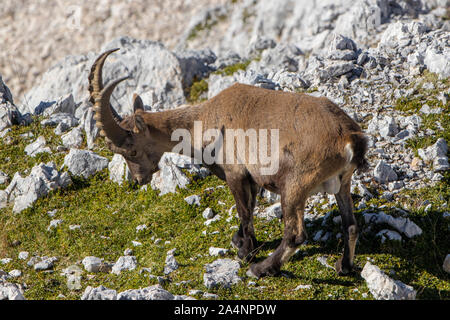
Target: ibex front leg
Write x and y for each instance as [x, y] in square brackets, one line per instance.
[244, 191]
[349, 226]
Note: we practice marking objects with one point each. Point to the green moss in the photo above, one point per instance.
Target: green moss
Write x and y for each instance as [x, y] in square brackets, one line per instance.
[231, 69]
[197, 89]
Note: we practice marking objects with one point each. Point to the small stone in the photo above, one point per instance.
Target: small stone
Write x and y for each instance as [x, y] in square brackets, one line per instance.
[99, 293]
[303, 287]
[171, 263]
[193, 200]
[15, 273]
[383, 172]
[208, 213]
[222, 272]
[92, 264]
[217, 251]
[45, 264]
[446, 265]
[23, 255]
[127, 263]
[54, 224]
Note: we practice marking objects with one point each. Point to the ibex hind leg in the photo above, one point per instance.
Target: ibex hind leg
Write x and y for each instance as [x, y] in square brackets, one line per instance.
[349, 226]
[294, 235]
[244, 191]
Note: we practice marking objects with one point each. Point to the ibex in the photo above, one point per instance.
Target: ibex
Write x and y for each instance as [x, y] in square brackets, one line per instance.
[319, 148]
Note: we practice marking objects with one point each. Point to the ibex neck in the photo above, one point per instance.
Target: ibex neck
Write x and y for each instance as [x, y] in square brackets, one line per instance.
[164, 123]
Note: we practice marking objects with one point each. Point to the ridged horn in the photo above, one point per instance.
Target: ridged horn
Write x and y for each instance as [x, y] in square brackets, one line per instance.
[105, 120]
[96, 80]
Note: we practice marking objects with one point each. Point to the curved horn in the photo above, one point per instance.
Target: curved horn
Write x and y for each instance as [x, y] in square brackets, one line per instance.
[108, 126]
[96, 81]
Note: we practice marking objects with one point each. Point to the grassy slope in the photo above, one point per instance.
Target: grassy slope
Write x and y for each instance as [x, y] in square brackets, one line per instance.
[109, 214]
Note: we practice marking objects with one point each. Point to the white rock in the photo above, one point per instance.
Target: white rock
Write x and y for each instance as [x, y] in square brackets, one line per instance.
[84, 163]
[55, 119]
[303, 286]
[383, 172]
[99, 293]
[118, 170]
[37, 147]
[193, 200]
[45, 264]
[222, 272]
[54, 224]
[438, 62]
[42, 179]
[212, 220]
[171, 263]
[10, 291]
[65, 104]
[217, 251]
[3, 178]
[155, 292]
[73, 138]
[446, 265]
[404, 225]
[272, 212]
[385, 126]
[437, 153]
[384, 288]
[124, 263]
[386, 234]
[23, 255]
[92, 264]
[15, 273]
[208, 213]
[147, 62]
[169, 177]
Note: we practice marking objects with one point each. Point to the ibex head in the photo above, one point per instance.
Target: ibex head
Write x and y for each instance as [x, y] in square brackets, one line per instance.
[129, 136]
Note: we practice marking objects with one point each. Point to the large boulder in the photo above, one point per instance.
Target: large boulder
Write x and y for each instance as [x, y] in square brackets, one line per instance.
[155, 73]
[42, 179]
[84, 163]
[9, 114]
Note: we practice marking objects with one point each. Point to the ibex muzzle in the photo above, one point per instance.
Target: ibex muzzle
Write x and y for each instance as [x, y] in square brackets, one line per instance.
[319, 148]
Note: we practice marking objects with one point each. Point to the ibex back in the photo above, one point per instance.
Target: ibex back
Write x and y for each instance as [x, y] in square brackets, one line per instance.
[319, 147]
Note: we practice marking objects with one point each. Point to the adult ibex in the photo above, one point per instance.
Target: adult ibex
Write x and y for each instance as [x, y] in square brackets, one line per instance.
[319, 148]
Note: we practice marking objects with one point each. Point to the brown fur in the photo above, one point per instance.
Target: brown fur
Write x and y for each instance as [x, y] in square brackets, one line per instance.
[314, 134]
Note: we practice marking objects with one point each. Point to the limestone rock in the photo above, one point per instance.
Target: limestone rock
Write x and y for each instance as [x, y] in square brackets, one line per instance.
[384, 288]
[222, 272]
[84, 163]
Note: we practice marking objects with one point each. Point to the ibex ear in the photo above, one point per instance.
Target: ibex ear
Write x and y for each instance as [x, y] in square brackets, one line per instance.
[137, 103]
[139, 124]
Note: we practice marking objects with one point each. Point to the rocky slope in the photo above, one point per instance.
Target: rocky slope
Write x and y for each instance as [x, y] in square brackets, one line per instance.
[385, 62]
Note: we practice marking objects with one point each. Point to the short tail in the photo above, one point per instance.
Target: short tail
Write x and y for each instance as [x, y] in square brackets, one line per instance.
[359, 145]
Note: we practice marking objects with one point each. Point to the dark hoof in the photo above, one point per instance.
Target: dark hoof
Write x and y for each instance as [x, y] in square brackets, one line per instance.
[245, 246]
[259, 270]
[342, 269]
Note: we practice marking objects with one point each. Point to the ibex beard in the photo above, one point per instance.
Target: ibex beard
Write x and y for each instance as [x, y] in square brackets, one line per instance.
[314, 147]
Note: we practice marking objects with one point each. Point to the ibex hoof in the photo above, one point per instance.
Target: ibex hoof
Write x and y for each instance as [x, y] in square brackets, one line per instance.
[342, 269]
[259, 270]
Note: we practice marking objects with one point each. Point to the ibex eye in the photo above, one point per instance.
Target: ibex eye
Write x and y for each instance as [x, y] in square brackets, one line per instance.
[133, 153]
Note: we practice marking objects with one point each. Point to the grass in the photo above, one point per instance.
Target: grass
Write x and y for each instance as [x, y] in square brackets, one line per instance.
[196, 92]
[109, 214]
[197, 89]
[421, 96]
